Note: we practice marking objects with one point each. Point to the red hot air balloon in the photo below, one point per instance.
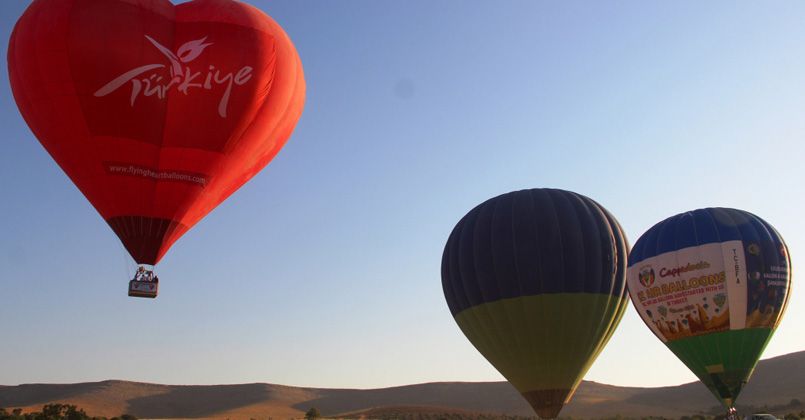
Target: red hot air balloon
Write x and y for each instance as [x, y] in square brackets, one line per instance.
[157, 112]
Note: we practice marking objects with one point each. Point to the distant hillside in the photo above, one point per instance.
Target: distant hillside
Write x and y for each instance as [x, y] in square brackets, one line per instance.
[775, 384]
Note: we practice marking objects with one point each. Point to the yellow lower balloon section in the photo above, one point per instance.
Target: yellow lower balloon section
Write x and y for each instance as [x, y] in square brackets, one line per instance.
[543, 344]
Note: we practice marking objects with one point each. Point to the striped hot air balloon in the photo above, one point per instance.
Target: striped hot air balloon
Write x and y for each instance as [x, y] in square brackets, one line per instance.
[536, 281]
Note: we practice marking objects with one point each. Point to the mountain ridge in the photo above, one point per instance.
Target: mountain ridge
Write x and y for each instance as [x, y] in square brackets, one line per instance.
[778, 382]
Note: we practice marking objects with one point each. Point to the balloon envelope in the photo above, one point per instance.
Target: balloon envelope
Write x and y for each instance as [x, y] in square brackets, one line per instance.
[536, 281]
[712, 284]
[156, 112]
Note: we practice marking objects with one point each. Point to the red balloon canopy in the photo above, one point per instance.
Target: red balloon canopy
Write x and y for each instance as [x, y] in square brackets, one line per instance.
[156, 112]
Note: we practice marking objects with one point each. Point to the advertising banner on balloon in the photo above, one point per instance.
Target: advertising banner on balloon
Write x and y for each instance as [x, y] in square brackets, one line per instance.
[708, 288]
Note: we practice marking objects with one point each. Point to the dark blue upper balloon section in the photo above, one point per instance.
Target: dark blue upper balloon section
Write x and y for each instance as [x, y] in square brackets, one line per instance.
[703, 226]
[532, 242]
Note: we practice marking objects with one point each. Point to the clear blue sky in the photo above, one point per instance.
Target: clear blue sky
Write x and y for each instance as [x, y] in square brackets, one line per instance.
[324, 269]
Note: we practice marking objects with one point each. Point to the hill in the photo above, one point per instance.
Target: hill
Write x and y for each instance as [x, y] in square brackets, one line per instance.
[778, 385]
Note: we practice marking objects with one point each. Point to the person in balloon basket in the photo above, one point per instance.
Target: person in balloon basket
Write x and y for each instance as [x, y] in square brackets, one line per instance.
[145, 276]
[732, 414]
[140, 274]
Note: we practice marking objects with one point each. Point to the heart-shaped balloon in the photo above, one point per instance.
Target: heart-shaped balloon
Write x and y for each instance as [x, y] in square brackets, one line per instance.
[157, 112]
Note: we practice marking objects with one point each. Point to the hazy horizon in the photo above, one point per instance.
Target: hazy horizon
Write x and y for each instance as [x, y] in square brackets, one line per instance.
[355, 388]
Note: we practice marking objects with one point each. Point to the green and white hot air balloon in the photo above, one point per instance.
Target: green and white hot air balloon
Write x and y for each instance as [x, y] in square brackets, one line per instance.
[712, 284]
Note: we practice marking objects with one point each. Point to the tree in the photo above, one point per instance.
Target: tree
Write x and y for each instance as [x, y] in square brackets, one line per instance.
[55, 411]
[59, 412]
[312, 414]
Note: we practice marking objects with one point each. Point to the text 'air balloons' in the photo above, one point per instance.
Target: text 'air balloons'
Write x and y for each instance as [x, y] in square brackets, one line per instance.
[536, 281]
[712, 284]
[157, 112]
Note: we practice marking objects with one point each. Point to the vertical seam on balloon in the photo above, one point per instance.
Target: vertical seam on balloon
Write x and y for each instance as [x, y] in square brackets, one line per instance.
[484, 324]
[619, 254]
[623, 250]
[728, 213]
[465, 277]
[530, 339]
[561, 277]
[769, 233]
[777, 239]
[602, 328]
[579, 207]
[104, 191]
[545, 197]
[477, 325]
[157, 183]
[498, 341]
[683, 356]
[579, 347]
[790, 269]
[615, 306]
[557, 195]
[540, 339]
[699, 359]
[745, 339]
[525, 349]
[543, 308]
[673, 249]
[475, 280]
[515, 351]
[716, 352]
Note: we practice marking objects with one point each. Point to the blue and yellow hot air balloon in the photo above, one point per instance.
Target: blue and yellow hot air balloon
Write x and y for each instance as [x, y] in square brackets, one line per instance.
[536, 281]
[712, 284]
